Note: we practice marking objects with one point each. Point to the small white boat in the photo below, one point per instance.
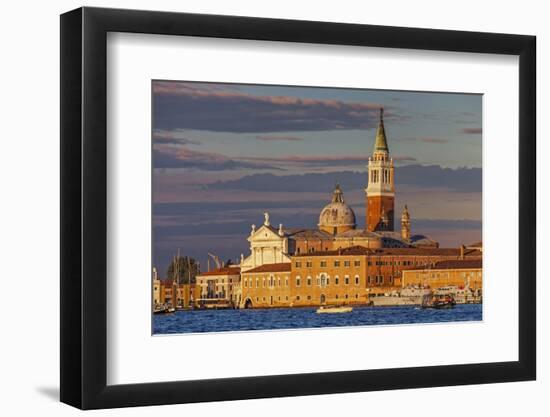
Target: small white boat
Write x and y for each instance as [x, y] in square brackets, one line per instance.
[334, 309]
[163, 309]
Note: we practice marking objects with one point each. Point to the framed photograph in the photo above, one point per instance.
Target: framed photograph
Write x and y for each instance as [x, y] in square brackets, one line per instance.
[292, 208]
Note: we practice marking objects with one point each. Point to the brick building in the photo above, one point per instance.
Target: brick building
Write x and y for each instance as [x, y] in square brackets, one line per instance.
[462, 273]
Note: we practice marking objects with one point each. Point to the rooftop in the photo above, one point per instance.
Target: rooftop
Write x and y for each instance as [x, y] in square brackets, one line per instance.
[307, 234]
[280, 267]
[360, 250]
[226, 270]
[455, 264]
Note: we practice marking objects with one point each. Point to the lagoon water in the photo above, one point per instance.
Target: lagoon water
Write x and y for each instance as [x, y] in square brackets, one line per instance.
[201, 321]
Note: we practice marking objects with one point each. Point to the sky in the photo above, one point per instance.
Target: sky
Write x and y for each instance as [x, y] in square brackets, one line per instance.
[225, 153]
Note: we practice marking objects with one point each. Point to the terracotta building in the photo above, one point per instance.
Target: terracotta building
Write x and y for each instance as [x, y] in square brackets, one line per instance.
[266, 286]
[462, 273]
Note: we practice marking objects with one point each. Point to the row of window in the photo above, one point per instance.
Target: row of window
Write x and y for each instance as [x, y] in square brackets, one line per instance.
[322, 281]
[266, 282]
[325, 281]
[346, 296]
[336, 264]
[447, 275]
[298, 298]
[216, 281]
[394, 263]
[323, 264]
[383, 176]
[378, 279]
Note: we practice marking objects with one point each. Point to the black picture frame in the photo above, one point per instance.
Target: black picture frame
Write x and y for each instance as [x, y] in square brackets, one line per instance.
[84, 207]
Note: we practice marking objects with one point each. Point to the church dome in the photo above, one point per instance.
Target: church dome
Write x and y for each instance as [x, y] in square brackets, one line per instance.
[337, 216]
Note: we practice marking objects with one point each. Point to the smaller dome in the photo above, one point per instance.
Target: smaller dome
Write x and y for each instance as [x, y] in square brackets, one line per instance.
[337, 214]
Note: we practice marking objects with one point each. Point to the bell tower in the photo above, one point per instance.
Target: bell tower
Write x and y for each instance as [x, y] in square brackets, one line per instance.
[405, 224]
[380, 192]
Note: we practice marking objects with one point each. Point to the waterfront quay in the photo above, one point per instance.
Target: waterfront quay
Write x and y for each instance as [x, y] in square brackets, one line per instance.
[354, 276]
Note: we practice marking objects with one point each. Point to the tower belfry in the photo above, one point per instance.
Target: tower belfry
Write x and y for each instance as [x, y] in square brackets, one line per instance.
[380, 192]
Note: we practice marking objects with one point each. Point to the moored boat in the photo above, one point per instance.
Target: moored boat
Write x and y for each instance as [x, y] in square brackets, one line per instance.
[334, 309]
[439, 302]
[163, 309]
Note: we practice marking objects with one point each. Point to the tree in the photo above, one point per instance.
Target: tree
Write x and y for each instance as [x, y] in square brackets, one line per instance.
[184, 267]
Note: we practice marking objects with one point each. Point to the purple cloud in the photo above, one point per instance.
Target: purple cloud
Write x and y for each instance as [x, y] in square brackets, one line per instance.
[211, 107]
[269, 138]
[173, 137]
[331, 160]
[459, 179]
[205, 161]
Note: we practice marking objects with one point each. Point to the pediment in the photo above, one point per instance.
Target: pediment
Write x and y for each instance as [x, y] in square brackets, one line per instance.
[265, 233]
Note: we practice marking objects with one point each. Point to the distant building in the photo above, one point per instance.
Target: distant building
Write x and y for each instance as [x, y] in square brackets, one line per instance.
[344, 276]
[157, 290]
[168, 292]
[462, 273]
[219, 287]
[266, 286]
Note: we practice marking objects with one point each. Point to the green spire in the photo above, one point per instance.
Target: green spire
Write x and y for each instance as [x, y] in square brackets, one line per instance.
[380, 143]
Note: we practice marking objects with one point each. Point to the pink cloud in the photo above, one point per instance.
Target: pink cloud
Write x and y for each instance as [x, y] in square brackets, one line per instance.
[226, 91]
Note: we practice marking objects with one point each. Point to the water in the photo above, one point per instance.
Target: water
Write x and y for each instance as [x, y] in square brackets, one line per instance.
[300, 318]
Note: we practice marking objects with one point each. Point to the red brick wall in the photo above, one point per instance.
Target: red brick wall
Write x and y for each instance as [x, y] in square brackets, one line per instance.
[374, 211]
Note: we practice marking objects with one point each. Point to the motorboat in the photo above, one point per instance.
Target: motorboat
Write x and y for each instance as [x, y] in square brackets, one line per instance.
[334, 309]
